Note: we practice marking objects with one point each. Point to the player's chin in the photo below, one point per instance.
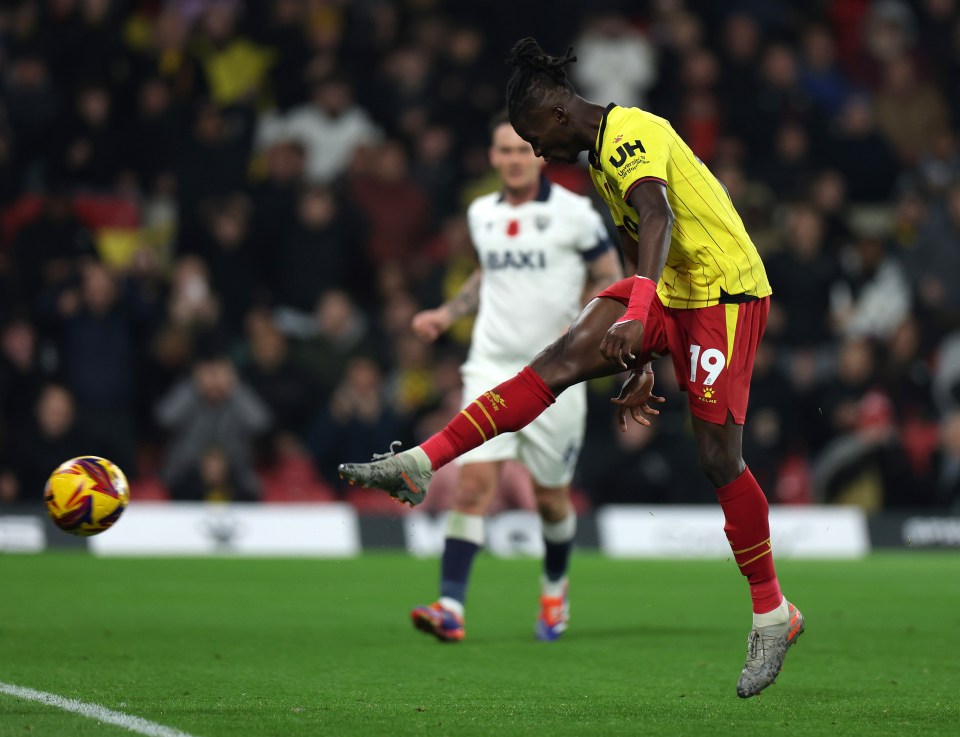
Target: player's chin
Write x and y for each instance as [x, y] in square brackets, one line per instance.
[562, 157]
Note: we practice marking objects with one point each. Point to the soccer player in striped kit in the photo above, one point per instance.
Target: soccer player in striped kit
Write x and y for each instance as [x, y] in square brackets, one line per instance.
[699, 293]
[542, 252]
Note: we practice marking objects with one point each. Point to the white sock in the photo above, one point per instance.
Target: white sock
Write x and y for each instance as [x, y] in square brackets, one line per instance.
[780, 615]
[469, 527]
[562, 531]
[553, 589]
[451, 605]
[420, 456]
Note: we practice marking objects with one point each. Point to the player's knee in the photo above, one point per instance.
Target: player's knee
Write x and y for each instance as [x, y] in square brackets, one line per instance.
[474, 495]
[719, 465]
[557, 370]
[553, 505]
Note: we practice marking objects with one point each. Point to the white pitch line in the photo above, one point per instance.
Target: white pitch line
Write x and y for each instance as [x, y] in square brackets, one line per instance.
[93, 711]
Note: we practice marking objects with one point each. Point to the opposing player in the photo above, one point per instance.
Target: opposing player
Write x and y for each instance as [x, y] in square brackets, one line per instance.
[699, 294]
[542, 251]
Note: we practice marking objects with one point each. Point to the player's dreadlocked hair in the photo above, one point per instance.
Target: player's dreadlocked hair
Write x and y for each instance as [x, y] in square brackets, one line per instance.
[535, 74]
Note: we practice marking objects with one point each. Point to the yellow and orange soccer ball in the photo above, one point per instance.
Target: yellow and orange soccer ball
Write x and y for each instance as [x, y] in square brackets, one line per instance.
[86, 495]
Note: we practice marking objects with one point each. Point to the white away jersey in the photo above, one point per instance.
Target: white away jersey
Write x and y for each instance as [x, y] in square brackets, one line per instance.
[534, 258]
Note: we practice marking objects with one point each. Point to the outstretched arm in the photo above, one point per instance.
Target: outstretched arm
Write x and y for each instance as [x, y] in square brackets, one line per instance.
[654, 225]
[429, 325]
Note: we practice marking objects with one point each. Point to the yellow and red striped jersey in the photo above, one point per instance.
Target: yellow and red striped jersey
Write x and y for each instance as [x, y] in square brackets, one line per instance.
[711, 257]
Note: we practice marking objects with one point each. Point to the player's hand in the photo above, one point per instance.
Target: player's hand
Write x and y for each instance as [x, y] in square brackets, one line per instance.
[635, 397]
[618, 344]
[429, 325]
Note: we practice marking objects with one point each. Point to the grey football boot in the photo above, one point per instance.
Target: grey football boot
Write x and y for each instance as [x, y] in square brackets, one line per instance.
[404, 476]
[766, 649]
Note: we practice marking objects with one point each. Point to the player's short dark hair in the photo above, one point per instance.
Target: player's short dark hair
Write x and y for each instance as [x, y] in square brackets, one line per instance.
[501, 118]
[535, 73]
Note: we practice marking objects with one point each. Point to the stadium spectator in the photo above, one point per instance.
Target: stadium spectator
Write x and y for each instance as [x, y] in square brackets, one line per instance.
[51, 438]
[394, 205]
[21, 376]
[47, 252]
[820, 75]
[236, 67]
[35, 109]
[871, 298]
[275, 199]
[861, 154]
[210, 162]
[153, 133]
[936, 257]
[788, 171]
[287, 390]
[231, 257]
[337, 331]
[319, 251]
[357, 413]
[165, 53]
[331, 128]
[911, 112]
[946, 465]
[212, 419]
[946, 377]
[99, 323]
[803, 276]
[615, 60]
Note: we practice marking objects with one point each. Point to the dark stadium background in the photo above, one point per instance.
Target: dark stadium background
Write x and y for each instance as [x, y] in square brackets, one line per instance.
[260, 195]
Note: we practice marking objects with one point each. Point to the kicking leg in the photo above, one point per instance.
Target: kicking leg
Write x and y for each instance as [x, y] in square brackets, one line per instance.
[572, 358]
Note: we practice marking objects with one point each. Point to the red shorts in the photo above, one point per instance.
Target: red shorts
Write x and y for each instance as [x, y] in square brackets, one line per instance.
[712, 349]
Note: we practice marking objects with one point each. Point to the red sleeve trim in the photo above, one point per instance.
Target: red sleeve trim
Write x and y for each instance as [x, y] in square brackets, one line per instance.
[626, 197]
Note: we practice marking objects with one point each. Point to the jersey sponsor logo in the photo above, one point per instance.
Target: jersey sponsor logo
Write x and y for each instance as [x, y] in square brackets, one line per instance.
[495, 261]
[626, 151]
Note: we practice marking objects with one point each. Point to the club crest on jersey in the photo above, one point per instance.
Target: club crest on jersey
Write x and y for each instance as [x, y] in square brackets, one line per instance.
[626, 151]
[542, 222]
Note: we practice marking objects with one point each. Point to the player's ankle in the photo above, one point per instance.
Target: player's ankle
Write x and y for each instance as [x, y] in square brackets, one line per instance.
[779, 615]
[553, 589]
[452, 605]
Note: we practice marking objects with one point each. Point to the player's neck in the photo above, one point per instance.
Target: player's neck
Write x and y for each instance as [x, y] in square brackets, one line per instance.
[591, 116]
[520, 196]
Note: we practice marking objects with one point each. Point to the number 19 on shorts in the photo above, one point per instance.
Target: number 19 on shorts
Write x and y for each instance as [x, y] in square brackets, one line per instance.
[711, 361]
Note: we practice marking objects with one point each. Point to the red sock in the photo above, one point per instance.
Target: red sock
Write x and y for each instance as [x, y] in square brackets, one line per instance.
[748, 530]
[506, 408]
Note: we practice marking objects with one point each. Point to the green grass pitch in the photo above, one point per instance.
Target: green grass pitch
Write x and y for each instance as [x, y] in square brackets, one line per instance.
[263, 648]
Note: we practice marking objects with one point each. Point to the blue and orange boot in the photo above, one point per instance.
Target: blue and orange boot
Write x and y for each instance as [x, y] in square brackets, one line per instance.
[435, 620]
[554, 616]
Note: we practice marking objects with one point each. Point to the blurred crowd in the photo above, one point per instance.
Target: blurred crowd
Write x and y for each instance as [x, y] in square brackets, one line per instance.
[218, 217]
